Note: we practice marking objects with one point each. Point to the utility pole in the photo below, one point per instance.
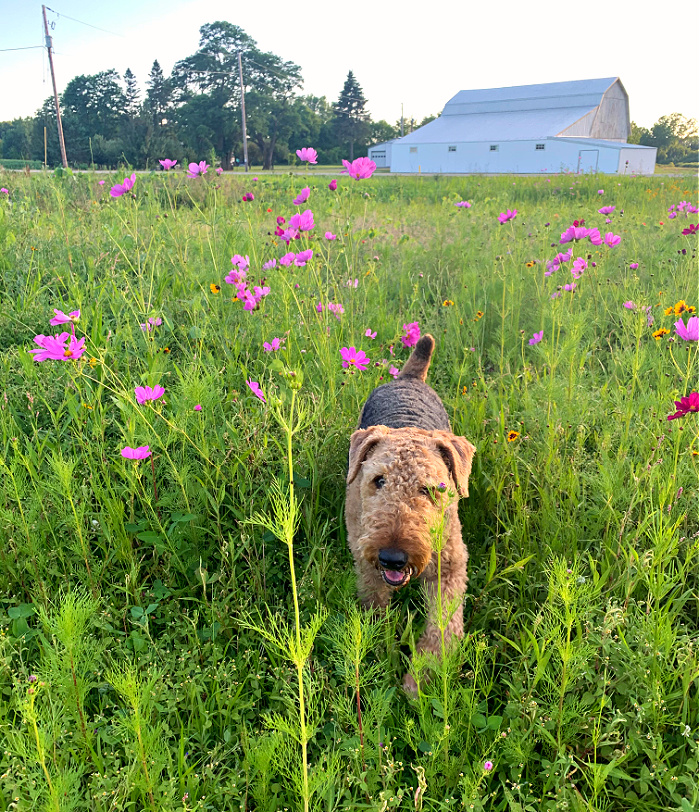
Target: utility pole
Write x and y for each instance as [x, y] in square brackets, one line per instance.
[49, 46]
[245, 134]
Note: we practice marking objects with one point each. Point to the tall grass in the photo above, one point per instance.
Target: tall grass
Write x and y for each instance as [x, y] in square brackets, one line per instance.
[182, 632]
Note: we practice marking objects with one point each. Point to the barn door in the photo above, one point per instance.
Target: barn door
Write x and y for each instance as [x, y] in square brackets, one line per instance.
[587, 160]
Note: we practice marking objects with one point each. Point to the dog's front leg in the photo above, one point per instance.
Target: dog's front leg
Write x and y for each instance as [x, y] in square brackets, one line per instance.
[451, 596]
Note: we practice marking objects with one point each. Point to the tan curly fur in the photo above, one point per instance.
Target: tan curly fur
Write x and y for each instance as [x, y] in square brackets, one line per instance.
[404, 513]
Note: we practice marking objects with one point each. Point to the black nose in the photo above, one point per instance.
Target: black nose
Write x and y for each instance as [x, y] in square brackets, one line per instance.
[392, 559]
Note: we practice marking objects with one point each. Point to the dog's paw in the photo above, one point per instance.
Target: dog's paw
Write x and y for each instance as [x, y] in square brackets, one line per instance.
[410, 686]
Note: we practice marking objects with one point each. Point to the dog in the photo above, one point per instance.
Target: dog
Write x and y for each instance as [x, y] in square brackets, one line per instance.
[406, 472]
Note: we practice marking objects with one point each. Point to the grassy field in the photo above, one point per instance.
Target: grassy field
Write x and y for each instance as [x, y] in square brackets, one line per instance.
[181, 632]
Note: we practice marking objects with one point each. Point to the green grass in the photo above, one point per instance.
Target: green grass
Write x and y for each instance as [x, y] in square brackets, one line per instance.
[181, 633]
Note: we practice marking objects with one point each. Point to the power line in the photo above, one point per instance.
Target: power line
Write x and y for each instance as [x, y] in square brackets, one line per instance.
[82, 22]
[26, 48]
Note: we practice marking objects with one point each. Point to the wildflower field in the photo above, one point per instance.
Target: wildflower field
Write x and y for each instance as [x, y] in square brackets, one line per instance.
[179, 624]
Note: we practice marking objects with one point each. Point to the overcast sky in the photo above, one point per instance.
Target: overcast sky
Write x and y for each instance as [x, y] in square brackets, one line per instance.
[401, 52]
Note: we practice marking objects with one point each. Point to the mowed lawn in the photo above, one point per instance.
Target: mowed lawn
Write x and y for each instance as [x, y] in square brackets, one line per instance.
[179, 626]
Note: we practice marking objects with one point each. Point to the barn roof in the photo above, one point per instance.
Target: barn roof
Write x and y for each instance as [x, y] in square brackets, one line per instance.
[513, 113]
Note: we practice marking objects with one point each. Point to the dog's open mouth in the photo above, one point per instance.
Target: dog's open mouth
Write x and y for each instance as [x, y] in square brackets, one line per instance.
[397, 578]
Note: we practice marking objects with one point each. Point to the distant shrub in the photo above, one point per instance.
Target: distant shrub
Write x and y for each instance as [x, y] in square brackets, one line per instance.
[18, 163]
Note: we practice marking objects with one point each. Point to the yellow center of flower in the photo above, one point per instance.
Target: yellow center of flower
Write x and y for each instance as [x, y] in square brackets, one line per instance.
[68, 353]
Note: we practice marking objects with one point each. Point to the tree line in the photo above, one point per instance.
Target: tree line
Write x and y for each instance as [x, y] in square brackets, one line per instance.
[195, 113]
[674, 136]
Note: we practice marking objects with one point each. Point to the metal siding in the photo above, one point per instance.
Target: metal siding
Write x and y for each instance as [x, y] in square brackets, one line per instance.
[559, 155]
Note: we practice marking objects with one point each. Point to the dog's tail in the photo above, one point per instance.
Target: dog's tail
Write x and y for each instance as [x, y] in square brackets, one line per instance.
[417, 365]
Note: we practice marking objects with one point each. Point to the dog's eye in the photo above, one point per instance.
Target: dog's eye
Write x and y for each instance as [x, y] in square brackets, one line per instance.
[379, 482]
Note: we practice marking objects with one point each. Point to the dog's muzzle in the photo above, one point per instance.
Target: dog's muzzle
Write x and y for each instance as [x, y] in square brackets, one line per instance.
[392, 564]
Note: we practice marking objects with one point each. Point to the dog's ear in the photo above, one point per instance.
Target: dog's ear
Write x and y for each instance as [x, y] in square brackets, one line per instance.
[362, 442]
[458, 453]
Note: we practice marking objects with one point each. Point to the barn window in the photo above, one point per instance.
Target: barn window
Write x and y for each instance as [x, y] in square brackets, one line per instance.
[539, 146]
[413, 149]
[452, 149]
[494, 147]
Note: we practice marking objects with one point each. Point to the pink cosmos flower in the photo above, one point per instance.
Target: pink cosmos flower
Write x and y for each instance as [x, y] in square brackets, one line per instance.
[255, 389]
[320, 308]
[329, 235]
[168, 164]
[600, 191]
[197, 169]
[393, 371]
[288, 235]
[198, 407]
[464, 204]
[248, 198]
[303, 221]
[287, 259]
[121, 188]
[689, 332]
[685, 405]
[253, 299]
[570, 287]
[579, 267]
[62, 318]
[303, 257]
[99, 183]
[338, 309]
[352, 284]
[144, 393]
[273, 345]
[594, 236]
[506, 215]
[219, 170]
[151, 323]
[412, 334]
[333, 185]
[629, 305]
[354, 358]
[574, 233]
[359, 169]
[308, 154]
[536, 337]
[370, 334]
[5, 191]
[634, 266]
[235, 277]
[606, 210]
[53, 348]
[240, 262]
[488, 765]
[302, 197]
[269, 264]
[611, 239]
[139, 453]
[692, 229]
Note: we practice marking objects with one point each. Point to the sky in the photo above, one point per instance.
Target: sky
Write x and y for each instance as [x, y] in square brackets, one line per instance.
[401, 52]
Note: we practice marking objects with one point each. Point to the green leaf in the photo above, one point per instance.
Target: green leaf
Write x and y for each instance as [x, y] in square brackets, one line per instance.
[23, 610]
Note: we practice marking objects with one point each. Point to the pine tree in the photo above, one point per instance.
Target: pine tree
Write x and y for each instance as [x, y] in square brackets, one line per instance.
[158, 94]
[132, 93]
[351, 121]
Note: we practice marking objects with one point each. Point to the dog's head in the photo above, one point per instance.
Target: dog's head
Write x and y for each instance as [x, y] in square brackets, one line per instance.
[407, 480]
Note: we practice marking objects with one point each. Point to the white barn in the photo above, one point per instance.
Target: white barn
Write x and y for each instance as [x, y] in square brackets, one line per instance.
[579, 126]
[381, 153]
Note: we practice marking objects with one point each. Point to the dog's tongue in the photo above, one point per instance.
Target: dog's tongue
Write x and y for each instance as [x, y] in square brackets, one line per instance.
[394, 577]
